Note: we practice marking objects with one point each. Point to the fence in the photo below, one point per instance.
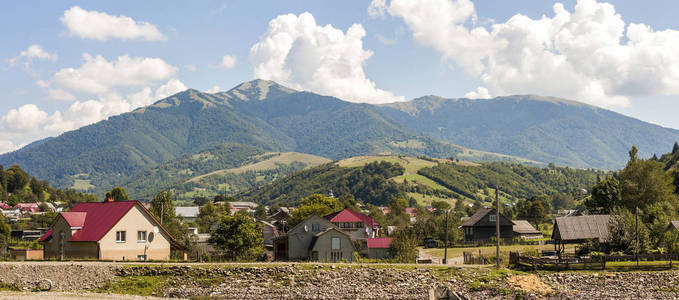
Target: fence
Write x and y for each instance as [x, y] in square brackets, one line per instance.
[471, 259]
[604, 262]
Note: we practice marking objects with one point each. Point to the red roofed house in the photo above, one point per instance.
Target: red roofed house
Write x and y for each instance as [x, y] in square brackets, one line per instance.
[379, 248]
[357, 225]
[27, 207]
[4, 206]
[123, 230]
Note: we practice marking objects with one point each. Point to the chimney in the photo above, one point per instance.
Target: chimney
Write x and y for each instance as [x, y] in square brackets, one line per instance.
[109, 199]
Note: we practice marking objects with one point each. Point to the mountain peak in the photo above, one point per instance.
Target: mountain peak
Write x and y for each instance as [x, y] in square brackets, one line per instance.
[259, 89]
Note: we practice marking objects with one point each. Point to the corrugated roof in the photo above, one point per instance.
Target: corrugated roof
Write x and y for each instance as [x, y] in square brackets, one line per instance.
[581, 228]
[348, 215]
[187, 211]
[379, 243]
[522, 226]
[476, 217]
[74, 219]
[101, 217]
[45, 236]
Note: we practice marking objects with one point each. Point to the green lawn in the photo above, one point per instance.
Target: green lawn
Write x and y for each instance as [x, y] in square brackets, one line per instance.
[489, 251]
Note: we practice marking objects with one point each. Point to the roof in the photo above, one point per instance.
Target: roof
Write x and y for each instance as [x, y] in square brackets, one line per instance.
[523, 227]
[673, 225]
[581, 228]
[101, 217]
[480, 214]
[379, 243]
[244, 204]
[74, 219]
[411, 211]
[187, 211]
[348, 215]
[45, 236]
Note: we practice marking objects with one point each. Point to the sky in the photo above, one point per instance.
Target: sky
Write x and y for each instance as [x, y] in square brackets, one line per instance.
[67, 64]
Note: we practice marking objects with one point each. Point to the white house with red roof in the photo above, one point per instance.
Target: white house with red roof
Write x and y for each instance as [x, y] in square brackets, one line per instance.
[357, 225]
[120, 231]
[27, 207]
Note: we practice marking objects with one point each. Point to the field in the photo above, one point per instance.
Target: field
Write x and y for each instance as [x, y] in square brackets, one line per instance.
[270, 164]
[489, 251]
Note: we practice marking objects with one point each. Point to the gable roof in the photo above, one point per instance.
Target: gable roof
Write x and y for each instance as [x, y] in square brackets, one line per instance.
[581, 228]
[480, 214]
[523, 227]
[673, 225]
[348, 215]
[101, 217]
[379, 243]
[74, 219]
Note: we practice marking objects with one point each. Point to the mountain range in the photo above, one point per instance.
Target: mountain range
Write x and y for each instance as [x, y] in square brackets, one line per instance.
[258, 117]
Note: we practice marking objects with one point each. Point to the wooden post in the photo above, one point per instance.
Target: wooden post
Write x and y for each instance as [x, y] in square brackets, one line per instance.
[497, 228]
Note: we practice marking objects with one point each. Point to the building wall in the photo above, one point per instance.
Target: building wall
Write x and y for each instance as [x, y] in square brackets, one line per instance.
[135, 220]
[377, 253]
[322, 250]
[480, 234]
[26, 254]
[299, 240]
[77, 250]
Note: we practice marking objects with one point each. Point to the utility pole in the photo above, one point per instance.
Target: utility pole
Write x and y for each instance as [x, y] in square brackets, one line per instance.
[636, 228]
[497, 228]
[445, 247]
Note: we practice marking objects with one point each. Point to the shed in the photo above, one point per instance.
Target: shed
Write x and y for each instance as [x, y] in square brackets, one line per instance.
[578, 229]
[523, 229]
[25, 254]
[379, 248]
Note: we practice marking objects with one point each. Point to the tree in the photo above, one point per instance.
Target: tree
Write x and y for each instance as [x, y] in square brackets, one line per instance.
[606, 194]
[440, 206]
[238, 237]
[209, 215]
[404, 245]
[398, 215]
[645, 182]
[532, 209]
[260, 212]
[315, 204]
[675, 148]
[17, 179]
[118, 194]
[5, 230]
[200, 201]
[163, 207]
[623, 236]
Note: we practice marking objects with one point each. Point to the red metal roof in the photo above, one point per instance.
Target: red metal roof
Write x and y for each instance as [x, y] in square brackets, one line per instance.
[74, 219]
[379, 243]
[45, 236]
[33, 207]
[348, 215]
[411, 211]
[100, 218]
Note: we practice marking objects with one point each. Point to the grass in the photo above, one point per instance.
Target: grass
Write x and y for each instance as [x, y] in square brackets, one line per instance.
[136, 285]
[82, 185]
[489, 250]
[425, 200]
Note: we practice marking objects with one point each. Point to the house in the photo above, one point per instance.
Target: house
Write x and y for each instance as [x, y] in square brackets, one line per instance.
[27, 207]
[379, 248]
[269, 232]
[188, 213]
[280, 218]
[481, 227]
[237, 206]
[357, 225]
[315, 238]
[412, 212]
[123, 230]
[5, 206]
[579, 229]
[524, 230]
[673, 226]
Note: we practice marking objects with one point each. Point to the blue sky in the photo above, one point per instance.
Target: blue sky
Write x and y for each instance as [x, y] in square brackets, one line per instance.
[66, 64]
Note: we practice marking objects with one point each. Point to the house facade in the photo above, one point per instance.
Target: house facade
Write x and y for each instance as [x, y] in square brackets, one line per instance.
[357, 225]
[122, 231]
[332, 245]
[314, 239]
[481, 226]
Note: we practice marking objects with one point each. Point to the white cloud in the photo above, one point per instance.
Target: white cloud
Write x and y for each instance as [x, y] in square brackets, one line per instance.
[296, 52]
[228, 62]
[385, 40]
[7, 146]
[59, 94]
[480, 93]
[589, 54]
[102, 26]
[191, 68]
[97, 75]
[170, 88]
[32, 52]
[214, 89]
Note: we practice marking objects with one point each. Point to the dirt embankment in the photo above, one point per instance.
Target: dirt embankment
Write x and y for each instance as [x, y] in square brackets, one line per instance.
[324, 281]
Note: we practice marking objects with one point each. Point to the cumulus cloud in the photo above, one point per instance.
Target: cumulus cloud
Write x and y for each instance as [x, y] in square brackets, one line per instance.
[214, 89]
[480, 93]
[103, 83]
[102, 26]
[228, 62]
[296, 52]
[98, 75]
[32, 52]
[7, 146]
[589, 54]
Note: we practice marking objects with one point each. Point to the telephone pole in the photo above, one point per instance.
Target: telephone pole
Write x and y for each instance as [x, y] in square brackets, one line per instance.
[497, 228]
[636, 228]
[445, 247]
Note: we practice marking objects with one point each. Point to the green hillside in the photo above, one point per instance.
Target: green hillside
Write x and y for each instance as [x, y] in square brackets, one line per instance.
[538, 128]
[259, 113]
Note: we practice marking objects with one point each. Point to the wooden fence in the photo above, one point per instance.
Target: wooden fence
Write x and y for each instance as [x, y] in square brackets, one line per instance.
[472, 259]
[604, 262]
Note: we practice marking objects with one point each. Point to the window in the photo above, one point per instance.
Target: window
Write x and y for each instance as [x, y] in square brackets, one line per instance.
[120, 236]
[315, 227]
[141, 257]
[492, 218]
[335, 243]
[141, 236]
[335, 255]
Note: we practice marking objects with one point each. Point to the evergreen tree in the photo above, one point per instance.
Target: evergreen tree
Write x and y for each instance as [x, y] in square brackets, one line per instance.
[117, 194]
[675, 148]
